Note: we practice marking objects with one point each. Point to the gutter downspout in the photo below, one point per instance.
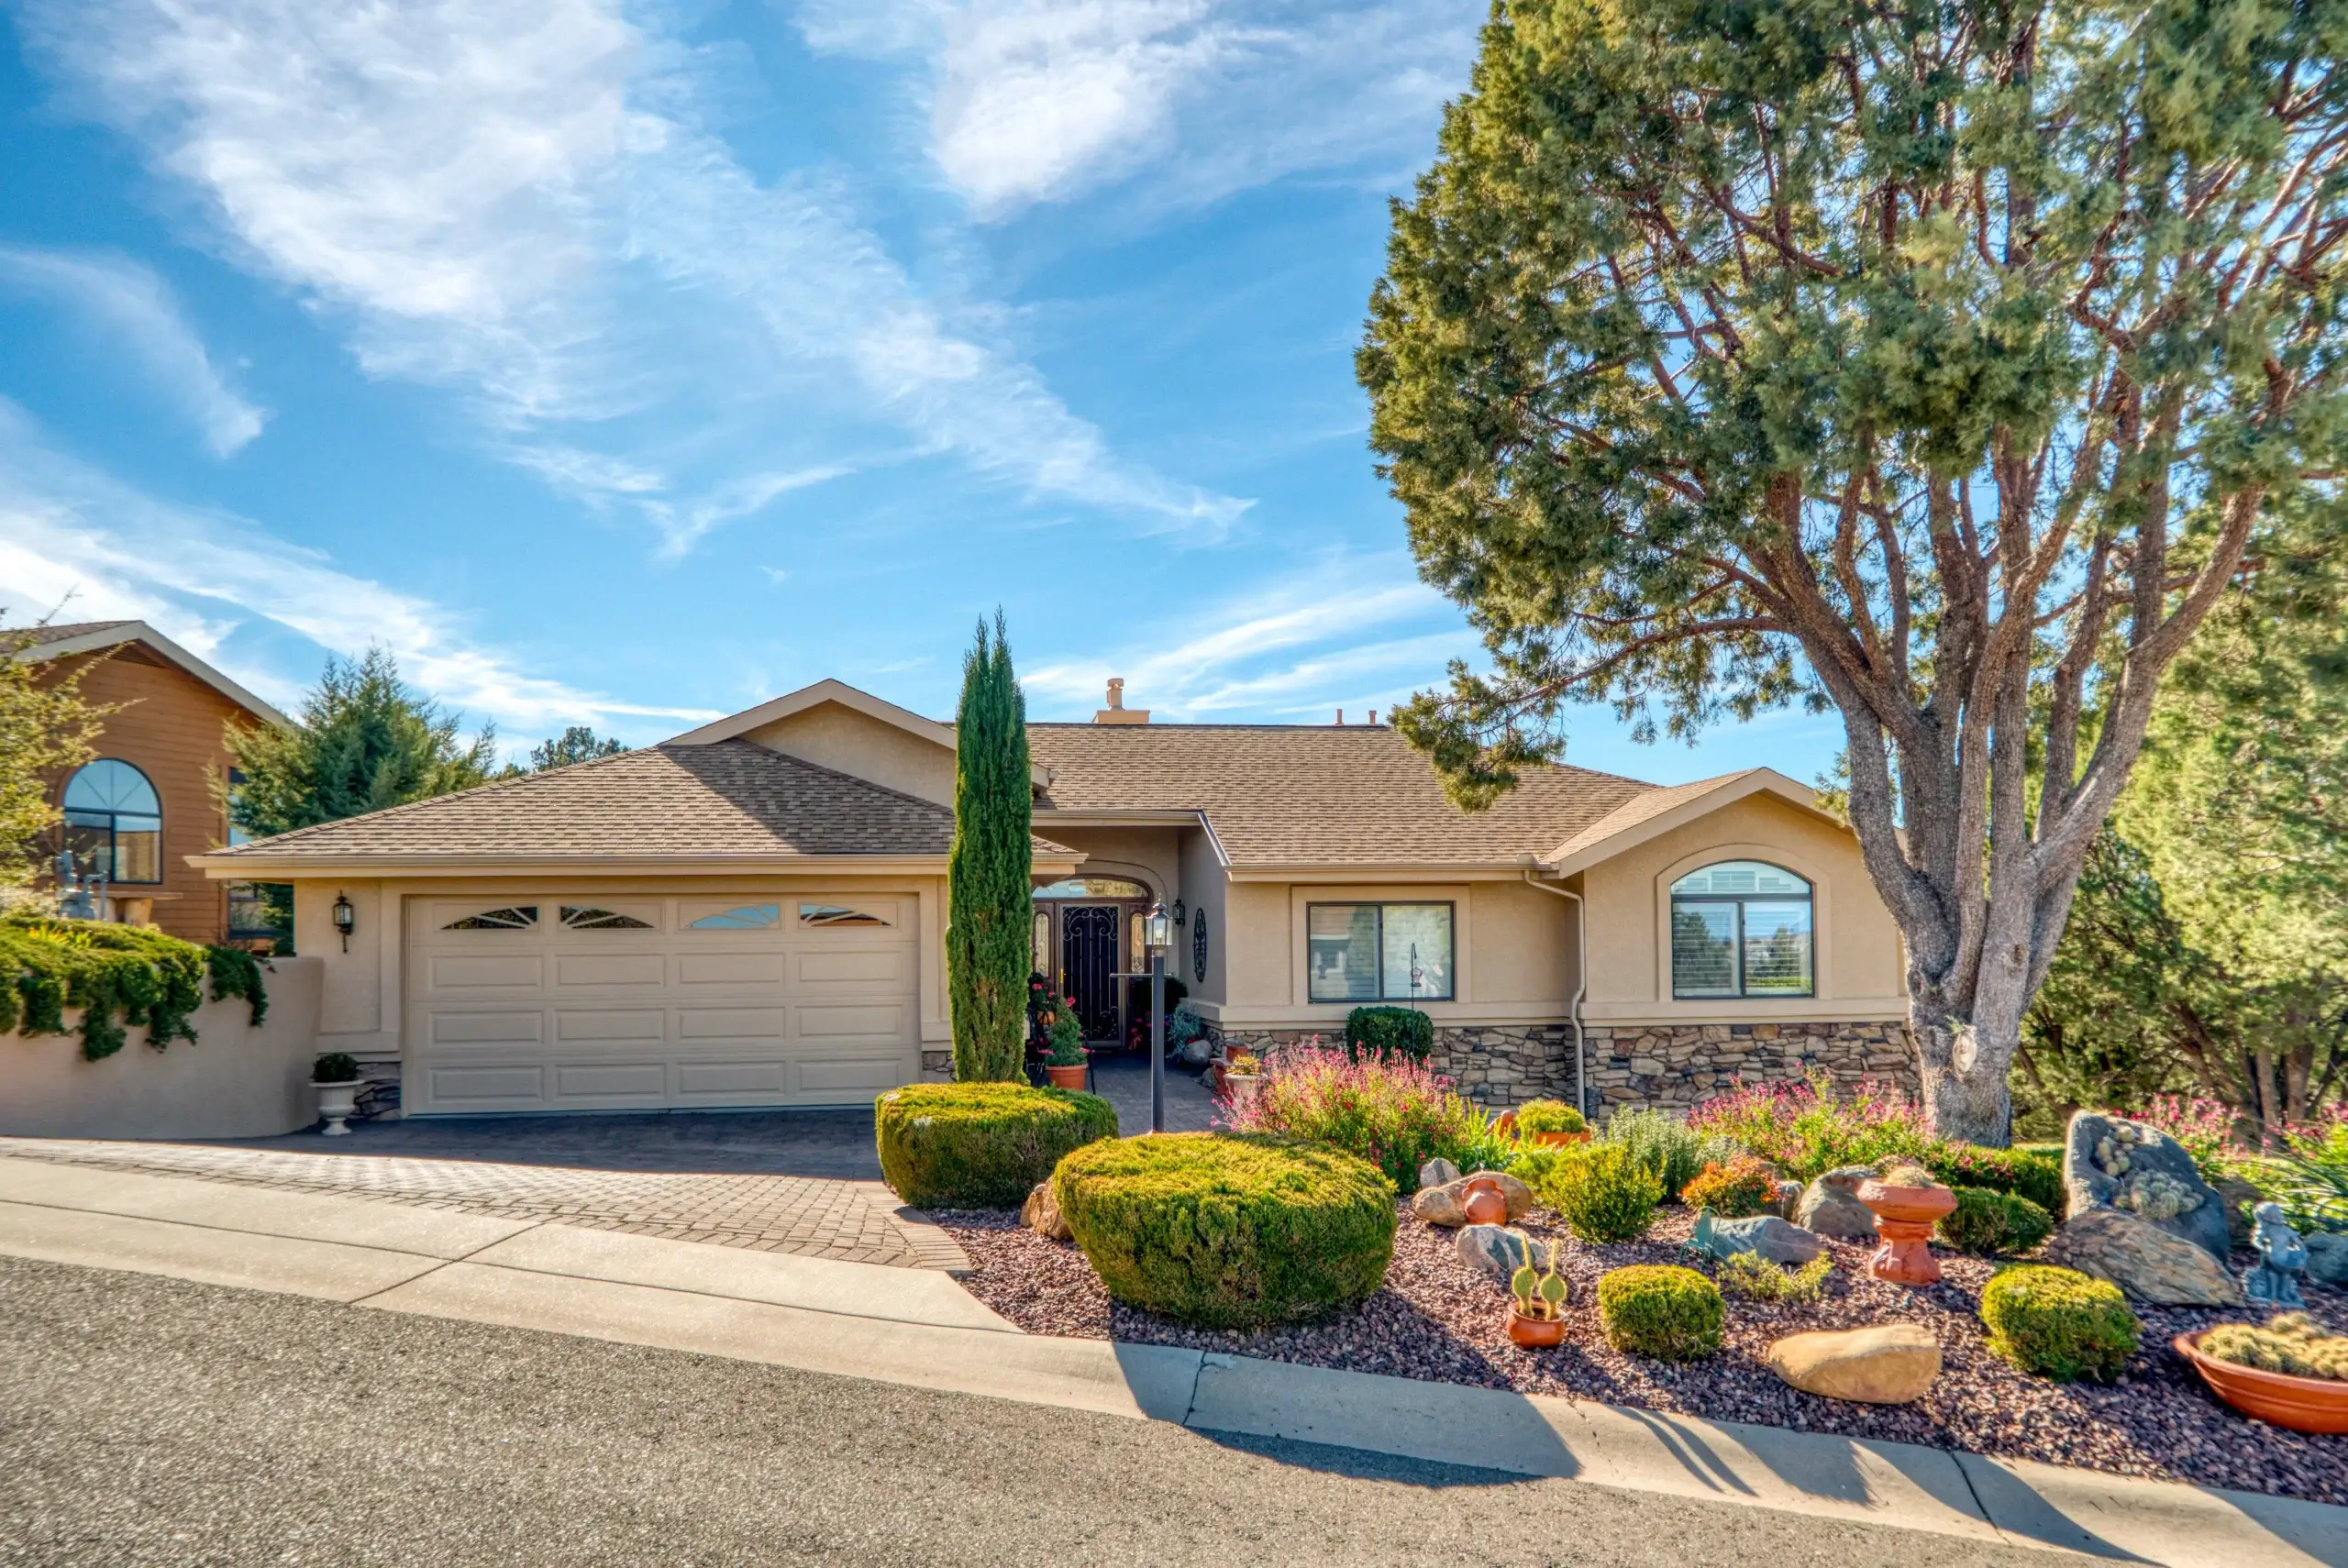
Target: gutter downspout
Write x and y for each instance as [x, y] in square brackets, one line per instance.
[1581, 986]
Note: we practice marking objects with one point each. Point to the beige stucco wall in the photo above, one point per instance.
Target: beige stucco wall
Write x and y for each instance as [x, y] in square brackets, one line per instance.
[233, 1081]
[1148, 854]
[839, 737]
[1858, 964]
[1207, 892]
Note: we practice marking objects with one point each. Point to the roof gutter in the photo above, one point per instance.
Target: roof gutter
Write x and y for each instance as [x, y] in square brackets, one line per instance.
[1581, 988]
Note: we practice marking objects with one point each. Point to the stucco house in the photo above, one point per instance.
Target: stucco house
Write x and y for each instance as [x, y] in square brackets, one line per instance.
[752, 913]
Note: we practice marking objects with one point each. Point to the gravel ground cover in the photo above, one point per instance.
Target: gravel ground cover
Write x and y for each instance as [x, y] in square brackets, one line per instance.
[1437, 1319]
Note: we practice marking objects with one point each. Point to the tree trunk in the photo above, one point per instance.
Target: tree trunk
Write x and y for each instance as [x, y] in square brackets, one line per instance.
[1963, 1076]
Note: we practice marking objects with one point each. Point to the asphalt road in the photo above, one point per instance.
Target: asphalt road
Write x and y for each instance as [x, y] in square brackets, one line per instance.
[147, 1420]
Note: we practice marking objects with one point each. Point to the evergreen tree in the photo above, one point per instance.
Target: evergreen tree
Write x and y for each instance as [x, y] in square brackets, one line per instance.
[987, 900]
[45, 728]
[365, 742]
[577, 743]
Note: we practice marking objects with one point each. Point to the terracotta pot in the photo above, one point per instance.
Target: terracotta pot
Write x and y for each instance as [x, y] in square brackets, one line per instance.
[1536, 1334]
[1559, 1140]
[2278, 1399]
[1905, 1217]
[1065, 1077]
[1505, 1124]
[1484, 1202]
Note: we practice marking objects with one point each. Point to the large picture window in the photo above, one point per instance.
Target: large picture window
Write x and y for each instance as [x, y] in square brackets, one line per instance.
[1362, 952]
[114, 822]
[1742, 928]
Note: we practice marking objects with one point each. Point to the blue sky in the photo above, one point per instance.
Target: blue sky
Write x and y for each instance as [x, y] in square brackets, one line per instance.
[629, 364]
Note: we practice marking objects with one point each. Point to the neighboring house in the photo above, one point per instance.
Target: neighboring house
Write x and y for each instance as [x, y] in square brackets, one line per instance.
[753, 913]
[145, 806]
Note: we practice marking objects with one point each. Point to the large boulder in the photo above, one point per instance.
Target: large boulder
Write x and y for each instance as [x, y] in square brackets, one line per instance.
[2150, 1262]
[1447, 1204]
[1830, 1206]
[1499, 1251]
[1768, 1236]
[2143, 1172]
[1889, 1365]
[2327, 1259]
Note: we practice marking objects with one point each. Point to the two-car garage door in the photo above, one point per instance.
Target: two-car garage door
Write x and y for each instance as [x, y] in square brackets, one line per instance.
[589, 1001]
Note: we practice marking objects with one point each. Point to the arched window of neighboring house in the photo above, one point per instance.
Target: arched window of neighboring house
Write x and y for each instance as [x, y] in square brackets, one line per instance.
[1742, 928]
[114, 822]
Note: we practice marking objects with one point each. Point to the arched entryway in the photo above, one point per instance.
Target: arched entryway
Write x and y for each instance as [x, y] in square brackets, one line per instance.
[1087, 931]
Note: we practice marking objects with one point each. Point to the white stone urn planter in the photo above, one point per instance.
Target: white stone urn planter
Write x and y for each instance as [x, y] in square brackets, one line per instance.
[338, 1103]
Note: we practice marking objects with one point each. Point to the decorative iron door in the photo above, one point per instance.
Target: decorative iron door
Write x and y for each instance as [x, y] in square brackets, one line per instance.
[1088, 959]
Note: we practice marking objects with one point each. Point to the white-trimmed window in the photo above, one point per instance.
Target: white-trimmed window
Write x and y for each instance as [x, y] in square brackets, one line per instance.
[114, 822]
[742, 917]
[510, 917]
[1368, 953]
[1742, 928]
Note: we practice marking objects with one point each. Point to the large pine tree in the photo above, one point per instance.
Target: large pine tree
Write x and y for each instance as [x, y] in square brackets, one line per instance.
[986, 932]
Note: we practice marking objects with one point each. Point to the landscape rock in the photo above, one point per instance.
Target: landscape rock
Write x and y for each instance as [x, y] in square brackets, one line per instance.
[1447, 1204]
[2328, 1259]
[1890, 1363]
[1437, 1172]
[2145, 1174]
[1499, 1252]
[1830, 1205]
[1041, 1214]
[1788, 1200]
[2151, 1262]
[1780, 1240]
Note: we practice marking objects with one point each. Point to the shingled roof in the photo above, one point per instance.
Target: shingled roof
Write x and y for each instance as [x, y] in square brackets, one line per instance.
[730, 801]
[1316, 794]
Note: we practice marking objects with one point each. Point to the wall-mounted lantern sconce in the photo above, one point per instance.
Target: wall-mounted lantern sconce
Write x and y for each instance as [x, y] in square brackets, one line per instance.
[346, 918]
[1181, 914]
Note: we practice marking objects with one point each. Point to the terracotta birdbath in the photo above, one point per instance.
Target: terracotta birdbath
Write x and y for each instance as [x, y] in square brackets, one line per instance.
[2278, 1399]
[1904, 1218]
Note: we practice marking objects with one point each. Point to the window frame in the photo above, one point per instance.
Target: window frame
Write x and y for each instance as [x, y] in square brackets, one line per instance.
[1383, 995]
[113, 824]
[1808, 898]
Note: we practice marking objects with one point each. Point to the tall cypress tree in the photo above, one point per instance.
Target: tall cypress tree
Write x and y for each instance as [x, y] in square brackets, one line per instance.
[988, 906]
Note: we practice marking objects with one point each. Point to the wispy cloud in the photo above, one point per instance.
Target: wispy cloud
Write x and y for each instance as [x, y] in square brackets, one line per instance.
[68, 529]
[1349, 631]
[1040, 99]
[129, 303]
[521, 200]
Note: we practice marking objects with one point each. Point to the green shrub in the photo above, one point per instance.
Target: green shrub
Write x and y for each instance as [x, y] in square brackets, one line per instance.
[1670, 1148]
[2059, 1323]
[1383, 1032]
[2025, 1173]
[334, 1067]
[119, 976]
[1599, 1190]
[1756, 1278]
[1736, 1190]
[1986, 1223]
[1548, 1116]
[1661, 1311]
[981, 1145]
[1229, 1230]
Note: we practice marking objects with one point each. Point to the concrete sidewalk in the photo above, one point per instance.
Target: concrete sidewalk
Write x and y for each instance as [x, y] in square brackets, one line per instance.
[916, 1327]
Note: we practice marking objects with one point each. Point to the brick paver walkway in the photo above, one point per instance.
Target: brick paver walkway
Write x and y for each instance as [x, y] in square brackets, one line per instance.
[857, 1221]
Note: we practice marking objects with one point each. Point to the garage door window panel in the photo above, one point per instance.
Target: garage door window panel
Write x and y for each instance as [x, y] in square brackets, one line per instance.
[741, 917]
[507, 917]
[829, 915]
[594, 917]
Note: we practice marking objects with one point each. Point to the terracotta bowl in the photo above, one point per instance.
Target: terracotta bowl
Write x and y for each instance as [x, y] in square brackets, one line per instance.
[1536, 1334]
[2278, 1399]
[1907, 1205]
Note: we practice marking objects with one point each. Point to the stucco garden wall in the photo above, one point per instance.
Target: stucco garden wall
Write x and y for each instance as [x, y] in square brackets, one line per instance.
[233, 1081]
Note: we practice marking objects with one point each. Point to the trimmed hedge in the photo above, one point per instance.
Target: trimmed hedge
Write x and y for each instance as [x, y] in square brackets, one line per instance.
[1548, 1116]
[981, 1145]
[1229, 1229]
[2024, 1173]
[1378, 1031]
[2058, 1322]
[1661, 1311]
[1736, 1189]
[1986, 1223]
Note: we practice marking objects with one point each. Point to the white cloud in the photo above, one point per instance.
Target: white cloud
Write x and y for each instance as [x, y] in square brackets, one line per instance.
[518, 199]
[1041, 100]
[1350, 631]
[66, 528]
[131, 304]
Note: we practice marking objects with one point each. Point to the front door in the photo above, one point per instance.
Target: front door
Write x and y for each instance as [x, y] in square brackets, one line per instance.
[1088, 953]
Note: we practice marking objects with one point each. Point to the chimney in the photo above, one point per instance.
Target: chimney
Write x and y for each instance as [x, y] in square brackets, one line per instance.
[1373, 715]
[1116, 712]
[1341, 715]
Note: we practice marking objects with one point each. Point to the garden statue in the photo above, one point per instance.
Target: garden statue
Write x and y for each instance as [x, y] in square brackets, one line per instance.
[2274, 1280]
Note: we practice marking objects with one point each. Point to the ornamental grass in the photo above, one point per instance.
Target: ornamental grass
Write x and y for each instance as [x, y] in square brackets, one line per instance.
[1392, 1113]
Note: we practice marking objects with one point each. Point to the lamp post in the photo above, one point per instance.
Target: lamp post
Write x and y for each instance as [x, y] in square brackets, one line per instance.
[1158, 936]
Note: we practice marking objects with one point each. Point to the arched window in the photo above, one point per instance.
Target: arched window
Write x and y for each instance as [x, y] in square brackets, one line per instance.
[114, 822]
[1093, 888]
[1742, 928]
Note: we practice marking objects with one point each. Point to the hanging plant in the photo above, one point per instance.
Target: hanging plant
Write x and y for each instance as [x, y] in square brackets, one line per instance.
[119, 976]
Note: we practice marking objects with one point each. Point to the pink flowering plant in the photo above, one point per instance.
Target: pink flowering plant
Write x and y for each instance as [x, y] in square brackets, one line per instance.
[1809, 1128]
[1392, 1113]
[2205, 1127]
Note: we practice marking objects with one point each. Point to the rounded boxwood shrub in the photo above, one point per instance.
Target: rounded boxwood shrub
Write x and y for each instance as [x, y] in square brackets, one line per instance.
[1600, 1191]
[1382, 1031]
[1229, 1229]
[2059, 1322]
[1661, 1311]
[981, 1145]
[1548, 1116]
[1986, 1223]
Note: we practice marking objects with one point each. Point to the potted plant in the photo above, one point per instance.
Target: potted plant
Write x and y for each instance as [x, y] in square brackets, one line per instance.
[1537, 1309]
[1550, 1122]
[1243, 1074]
[2286, 1373]
[1066, 1063]
[336, 1077]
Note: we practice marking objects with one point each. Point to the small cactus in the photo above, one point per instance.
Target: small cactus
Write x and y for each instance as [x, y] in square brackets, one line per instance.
[1540, 1293]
